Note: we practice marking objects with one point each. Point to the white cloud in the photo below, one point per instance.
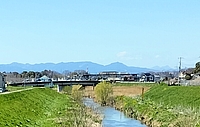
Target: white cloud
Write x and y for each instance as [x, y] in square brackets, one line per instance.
[157, 56]
[122, 54]
[127, 56]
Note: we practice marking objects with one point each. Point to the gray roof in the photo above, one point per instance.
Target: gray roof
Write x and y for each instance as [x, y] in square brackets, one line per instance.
[44, 77]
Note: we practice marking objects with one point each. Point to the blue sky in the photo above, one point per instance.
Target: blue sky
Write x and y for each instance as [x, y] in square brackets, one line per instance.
[135, 32]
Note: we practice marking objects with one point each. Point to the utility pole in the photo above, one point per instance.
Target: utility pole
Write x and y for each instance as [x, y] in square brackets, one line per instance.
[179, 69]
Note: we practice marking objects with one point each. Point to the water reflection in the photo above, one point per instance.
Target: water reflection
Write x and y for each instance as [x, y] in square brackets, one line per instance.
[112, 117]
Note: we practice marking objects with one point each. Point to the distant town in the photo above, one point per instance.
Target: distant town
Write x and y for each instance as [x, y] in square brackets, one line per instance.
[184, 77]
[48, 75]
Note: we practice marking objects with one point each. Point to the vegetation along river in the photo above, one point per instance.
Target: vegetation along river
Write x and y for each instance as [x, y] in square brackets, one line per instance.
[112, 117]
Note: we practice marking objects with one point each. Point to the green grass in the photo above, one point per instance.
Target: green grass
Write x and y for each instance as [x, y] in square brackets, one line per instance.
[166, 105]
[186, 96]
[36, 107]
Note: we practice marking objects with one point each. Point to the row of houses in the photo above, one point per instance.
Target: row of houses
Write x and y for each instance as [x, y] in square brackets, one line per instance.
[116, 76]
[111, 76]
[140, 77]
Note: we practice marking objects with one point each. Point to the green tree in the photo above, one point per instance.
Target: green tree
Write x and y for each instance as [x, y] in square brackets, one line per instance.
[38, 74]
[31, 74]
[45, 72]
[103, 92]
[188, 77]
[77, 93]
[197, 67]
[24, 74]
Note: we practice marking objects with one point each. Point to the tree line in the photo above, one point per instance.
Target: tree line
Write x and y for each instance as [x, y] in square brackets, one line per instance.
[197, 67]
[48, 73]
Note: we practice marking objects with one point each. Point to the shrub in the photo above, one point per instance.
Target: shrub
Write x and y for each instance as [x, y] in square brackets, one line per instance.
[188, 77]
[67, 89]
[76, 93]
[103, 92]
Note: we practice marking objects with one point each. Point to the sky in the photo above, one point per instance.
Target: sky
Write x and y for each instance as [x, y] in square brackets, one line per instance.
[142, 33]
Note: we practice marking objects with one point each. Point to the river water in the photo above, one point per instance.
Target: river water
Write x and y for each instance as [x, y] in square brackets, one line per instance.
[112, 117]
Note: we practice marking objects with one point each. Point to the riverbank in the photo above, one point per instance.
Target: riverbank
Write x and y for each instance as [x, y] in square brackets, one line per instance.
[160, 106]
[44, 107]
[164, 106]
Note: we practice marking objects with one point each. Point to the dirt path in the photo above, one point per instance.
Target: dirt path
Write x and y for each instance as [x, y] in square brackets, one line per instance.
[19, 90]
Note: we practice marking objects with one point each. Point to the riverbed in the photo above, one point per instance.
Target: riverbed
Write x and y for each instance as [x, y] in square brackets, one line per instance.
[111, 116]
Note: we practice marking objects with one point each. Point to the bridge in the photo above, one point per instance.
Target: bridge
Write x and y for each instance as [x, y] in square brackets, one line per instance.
[60, 84]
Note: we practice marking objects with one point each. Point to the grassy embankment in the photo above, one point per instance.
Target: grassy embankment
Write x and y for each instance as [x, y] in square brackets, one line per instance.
[42, 107]
[165, 106]
[184, 96]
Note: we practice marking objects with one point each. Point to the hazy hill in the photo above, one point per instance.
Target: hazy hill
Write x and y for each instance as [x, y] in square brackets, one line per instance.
[163, 68]
[71, 66]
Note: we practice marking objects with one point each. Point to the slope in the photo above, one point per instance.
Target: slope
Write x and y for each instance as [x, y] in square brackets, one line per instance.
[32, 107]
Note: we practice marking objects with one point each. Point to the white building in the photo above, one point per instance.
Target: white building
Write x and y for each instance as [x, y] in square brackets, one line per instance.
[2, 83]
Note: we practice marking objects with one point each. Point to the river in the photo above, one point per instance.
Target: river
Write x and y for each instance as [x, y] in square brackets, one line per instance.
[112, 117]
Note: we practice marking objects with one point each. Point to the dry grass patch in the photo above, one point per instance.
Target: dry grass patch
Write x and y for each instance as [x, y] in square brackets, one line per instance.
[88, 91]
[119, 90]
[129, 90]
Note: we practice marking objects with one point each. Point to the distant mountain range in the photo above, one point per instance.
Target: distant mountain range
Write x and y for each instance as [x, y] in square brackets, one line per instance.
[164, 68]
[72, 66]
